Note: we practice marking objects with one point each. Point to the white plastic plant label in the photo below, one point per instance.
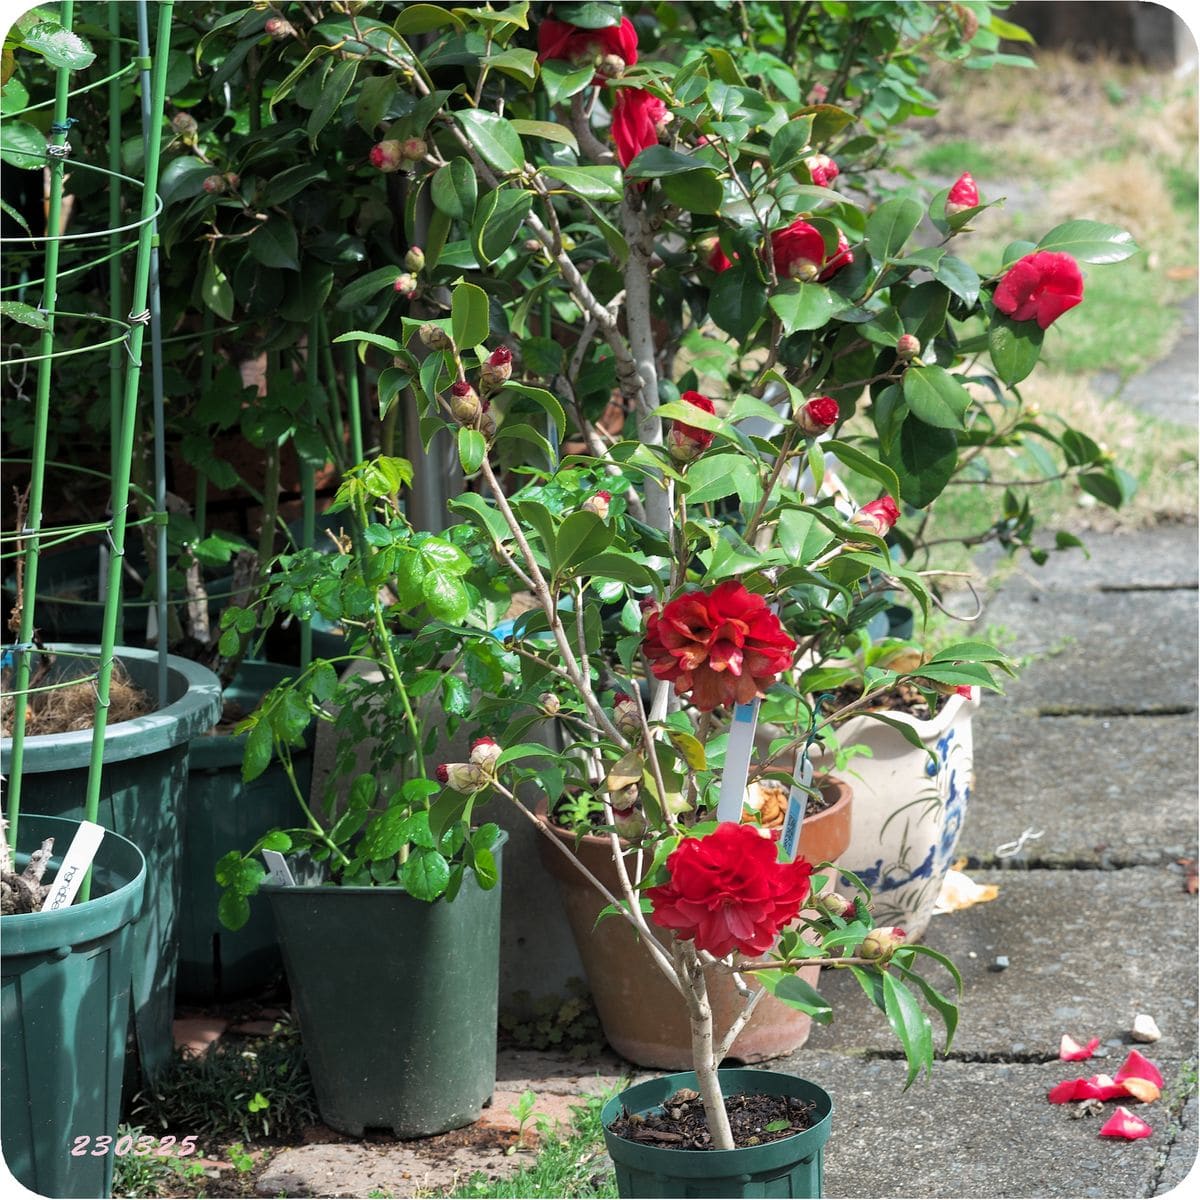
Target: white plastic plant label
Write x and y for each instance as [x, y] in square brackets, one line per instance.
[75, 864]
[737, 762]
[279, 873]
[797, 803]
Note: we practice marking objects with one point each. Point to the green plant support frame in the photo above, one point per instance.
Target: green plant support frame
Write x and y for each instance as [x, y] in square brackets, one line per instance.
[791, 1167]
[66, 994]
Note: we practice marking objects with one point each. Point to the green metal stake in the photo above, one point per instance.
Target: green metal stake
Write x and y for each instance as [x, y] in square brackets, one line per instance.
[121, 478]
[116, 354]
[206, 378]
[41, 422]
[353, 405]
[308, 486]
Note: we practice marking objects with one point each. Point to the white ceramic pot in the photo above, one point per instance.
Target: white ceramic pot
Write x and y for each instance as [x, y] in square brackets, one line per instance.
[908, 809]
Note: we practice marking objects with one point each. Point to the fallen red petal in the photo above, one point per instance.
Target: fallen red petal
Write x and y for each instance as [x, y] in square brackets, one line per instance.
[1070, 1050]
[1137, 1067]
[1124, 1124]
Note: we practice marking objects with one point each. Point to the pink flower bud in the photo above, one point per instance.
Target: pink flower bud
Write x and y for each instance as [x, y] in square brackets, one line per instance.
[435, 338]
[414, 260]
[685, 442]
[817, 93]
[387, 156]
[484, 753]
[836, 905]
[625, 715]
[406, 284]
[822, 169]
[461, 777]
[465, 406]
[877, 517]
[630, 822]
[598, 503]
[487, 422]
[277, 27]
[214, 184]
[817, 415]
[963, 195]
[414, 148]
[907, 347]
[550, 703]
[882, 943]
[497, 369]
[232, 179]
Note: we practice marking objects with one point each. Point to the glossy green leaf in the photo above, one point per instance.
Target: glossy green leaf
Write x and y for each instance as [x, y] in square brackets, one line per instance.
[274, 244]
[790, 141]
[495, 140]
[545, 400]
[695, 191]
[330, 100]
[549, 131]
[23, 145]
[1014, 347]
[517, 63]
[562, 81]
[864, 464]
[657, 162]
[256, 755]
[454, 188]
[923, 457]
[288, 183]
[215, 290]
[445, 596]
[1090, 241]
[421, 18]
[581, 535]
[936, 397]
[737, 301]
[468, 315]
[367, 286]
[425, 874]
[472, 447]
[589, 14]
[891, 225]
[959, 277]
[60, 47]
[181, 179]
[374, 99]
[233, 910]
[910, 1025]
[24, 314]
[594, 183]
[805, 306]
[498, 218]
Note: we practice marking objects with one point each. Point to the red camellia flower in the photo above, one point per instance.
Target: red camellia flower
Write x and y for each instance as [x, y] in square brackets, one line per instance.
[1040, 287]
[799, 253]
[729, 891]
[817, 415]
[686, 442]
[718, 260]
[723, 647]
[1124, 1124]
[877, 517]
[636, 119]
[558, 39]
[963, 195]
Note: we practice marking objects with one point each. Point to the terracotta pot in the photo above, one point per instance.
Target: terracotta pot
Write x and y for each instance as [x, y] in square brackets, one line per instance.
[644, 1017]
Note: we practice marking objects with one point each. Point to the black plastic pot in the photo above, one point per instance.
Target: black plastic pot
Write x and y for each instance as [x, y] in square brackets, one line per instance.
[145, 774]
[396, 1000]
[791, 1167]
[221, 813]
[66, 983]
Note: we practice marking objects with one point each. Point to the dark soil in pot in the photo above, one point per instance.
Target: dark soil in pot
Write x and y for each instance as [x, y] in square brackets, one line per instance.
[903, 698]
[680, 1124]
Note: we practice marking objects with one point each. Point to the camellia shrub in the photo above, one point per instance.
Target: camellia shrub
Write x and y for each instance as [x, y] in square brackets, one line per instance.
[704, 372]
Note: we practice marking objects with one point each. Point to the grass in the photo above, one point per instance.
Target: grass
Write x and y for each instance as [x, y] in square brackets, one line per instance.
[567, 1165]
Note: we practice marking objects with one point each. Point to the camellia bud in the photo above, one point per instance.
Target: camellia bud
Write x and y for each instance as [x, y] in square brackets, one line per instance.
[837, 905]
[630, 822]
[214, 184]
[497, 369]
[532, 245]
[686, 442]
[550, 704]
[184, 123]
[406, 284]
[817, 415]
[462, 777]
[877, 517]
[963, 195]
[817, 93]
[277, 27]
[611, 66]
[822, 169]
[882, 943]
[414, 260]
[803, 270]
[435, 337]
[387, 156]
[484, 753]
[487, 423]
[598, 503]
[464, 403]
[625, 715]
[907, 347]
[968, 22]
[414, 148]
[232, 179]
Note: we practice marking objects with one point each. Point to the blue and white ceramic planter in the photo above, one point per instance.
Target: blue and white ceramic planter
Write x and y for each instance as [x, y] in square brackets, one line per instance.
[908, 810]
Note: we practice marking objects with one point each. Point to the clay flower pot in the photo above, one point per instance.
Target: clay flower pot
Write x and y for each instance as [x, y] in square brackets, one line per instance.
[644, 1017]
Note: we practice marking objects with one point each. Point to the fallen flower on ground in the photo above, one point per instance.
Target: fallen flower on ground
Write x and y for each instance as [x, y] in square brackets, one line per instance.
[1069, 1050]
[961, 891]
[1124, 1124]
[1138, 1078]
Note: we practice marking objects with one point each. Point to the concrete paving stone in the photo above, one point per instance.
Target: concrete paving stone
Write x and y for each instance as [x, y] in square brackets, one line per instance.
[972, 1129]
[1179, 1160]
[1098, 652]
[1087, 951]
[1103, 790]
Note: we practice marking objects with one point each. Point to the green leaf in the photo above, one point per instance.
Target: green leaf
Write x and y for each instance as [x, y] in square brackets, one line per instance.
[909, 1024]
[1090, 241]
[658, 162]
[215, 290]
[25, 314]
[595, 183]
[613, 565]
[519, 64]
[801, 536]
[494, 139]
[589, 14]
[233, 910]
[562, 81]
[286, 184]
[425, 874]
[545, 400]
[864, 464]
[485, 514]
[181, 179]
[274, 244]
[959, 277]
[23, 145]
[790, 141]
[445, 596]
[58, 46]
[333, 92]
[472, 447]
[935, 397]
[374, 99]
[498, 217]
[454, 188]
[421, 18]
[581, 535]
[468, 315]
[680, 410]
[737, 300]
[487, 874]
[797, 993]
[924, 458]
[891, 225]
[695, 191]
[715, 476]
[551, 132]
[1104, 487]
[1014, 347]
[805, 306]
[256, 756]
[367, 286]
[385, 834]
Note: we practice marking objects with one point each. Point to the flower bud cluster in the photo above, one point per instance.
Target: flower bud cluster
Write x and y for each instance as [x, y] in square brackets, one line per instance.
[394, 155]
[475, 774]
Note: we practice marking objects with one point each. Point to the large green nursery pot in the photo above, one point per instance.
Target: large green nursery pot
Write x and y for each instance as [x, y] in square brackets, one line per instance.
[141, 798]
[397, 1001]
[66, 984]
[791, 1167]
[223, 813]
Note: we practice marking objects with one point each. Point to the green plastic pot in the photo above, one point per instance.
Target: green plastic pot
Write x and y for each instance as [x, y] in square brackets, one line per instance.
[790, 1167]
[66, 984]
[396, 1000]
[141, 798]
[221, 813]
